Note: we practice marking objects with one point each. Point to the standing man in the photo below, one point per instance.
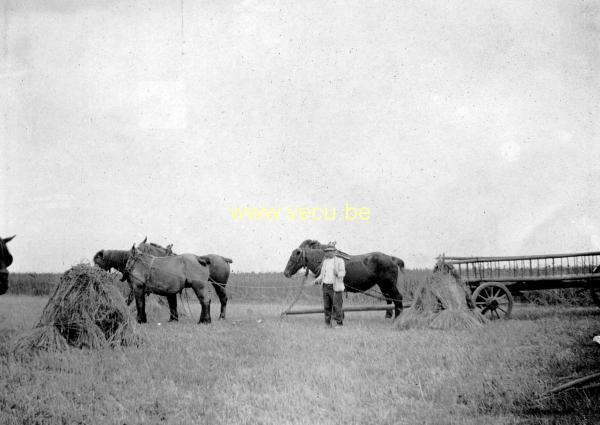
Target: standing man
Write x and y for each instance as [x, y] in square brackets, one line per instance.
[331, 277]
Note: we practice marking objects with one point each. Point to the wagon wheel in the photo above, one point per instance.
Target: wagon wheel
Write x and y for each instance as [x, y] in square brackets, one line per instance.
[494, 300]
[595, 295]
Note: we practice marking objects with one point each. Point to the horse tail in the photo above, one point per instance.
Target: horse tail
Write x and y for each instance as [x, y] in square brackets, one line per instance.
[226, 259]
[398, 262]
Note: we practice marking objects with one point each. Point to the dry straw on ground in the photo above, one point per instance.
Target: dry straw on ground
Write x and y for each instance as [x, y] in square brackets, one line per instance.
[85, 310]
[440, 303]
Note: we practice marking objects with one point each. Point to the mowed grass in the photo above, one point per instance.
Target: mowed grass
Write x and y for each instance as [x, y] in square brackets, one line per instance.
[255, 368]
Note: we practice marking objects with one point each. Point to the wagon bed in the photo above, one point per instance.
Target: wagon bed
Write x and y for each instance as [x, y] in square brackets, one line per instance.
[493, 280]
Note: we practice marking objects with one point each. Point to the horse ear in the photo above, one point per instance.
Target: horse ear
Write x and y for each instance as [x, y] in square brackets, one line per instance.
[133, 248]
[7, 240]
[145, 239]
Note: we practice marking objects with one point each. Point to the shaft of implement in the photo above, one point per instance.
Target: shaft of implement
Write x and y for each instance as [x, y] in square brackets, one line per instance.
[345, 309]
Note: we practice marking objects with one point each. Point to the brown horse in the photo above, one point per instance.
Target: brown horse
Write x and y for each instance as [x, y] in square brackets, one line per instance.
[218, 267]
[362, 272]
[167, 276]
[5, 261]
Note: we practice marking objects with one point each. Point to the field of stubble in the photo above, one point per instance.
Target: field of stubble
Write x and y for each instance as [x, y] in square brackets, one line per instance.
[255, 368]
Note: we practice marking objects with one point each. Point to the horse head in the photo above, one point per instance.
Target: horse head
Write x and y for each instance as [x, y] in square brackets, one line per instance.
[99, 260]
[296, 262]
[304, 257]
[155, 249]
[6, 260]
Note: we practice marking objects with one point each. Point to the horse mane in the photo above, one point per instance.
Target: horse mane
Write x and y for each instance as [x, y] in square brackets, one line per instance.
[311, 243]
[153, 245]
[315, 244]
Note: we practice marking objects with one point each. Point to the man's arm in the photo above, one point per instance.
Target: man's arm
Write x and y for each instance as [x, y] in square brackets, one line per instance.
[341, 268]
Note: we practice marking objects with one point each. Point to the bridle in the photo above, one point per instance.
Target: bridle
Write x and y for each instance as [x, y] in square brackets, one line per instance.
[304, 262]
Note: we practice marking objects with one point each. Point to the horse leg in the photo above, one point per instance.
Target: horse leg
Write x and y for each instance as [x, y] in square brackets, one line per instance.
[392, 295]
[202, 294]
[129, 297]
[140, 303]
[388, 313]
[397, 297]
[222, 294]
[173, 316]
[388, 299]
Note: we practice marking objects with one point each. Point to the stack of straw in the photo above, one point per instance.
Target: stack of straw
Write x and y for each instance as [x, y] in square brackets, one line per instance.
[440, 302]
[85, 310]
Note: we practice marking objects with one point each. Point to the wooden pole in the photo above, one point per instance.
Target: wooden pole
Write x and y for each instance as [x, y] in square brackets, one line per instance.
[345, 309]
[574, 383]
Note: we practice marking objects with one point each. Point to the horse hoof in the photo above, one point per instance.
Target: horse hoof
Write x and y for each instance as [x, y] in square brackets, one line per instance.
[173, 320]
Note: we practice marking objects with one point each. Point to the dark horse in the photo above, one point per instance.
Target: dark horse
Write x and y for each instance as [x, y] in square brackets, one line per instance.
[167, 276]
[362, 272]
[218, 267]
[5, 261]
[108, 259]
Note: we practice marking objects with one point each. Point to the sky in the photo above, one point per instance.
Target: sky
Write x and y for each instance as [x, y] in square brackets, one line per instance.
[465, 128]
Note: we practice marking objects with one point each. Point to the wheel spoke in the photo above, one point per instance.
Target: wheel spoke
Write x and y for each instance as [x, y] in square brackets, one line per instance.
[501, 309]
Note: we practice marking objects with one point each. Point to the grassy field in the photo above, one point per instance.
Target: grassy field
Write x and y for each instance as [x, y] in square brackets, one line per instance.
[271, 287]
[255, 368]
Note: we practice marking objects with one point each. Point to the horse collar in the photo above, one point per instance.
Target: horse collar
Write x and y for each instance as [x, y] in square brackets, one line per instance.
[149, 277]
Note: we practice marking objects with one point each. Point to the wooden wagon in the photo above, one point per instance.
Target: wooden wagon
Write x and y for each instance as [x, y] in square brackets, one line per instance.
[494, 280]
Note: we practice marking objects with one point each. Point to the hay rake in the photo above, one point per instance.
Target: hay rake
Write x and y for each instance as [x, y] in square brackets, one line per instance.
[494, 280]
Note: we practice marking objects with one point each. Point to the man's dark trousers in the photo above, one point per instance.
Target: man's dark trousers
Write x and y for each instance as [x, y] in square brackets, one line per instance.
[332, 303]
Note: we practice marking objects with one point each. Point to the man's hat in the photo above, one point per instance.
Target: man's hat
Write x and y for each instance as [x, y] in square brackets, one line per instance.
[329, 248]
